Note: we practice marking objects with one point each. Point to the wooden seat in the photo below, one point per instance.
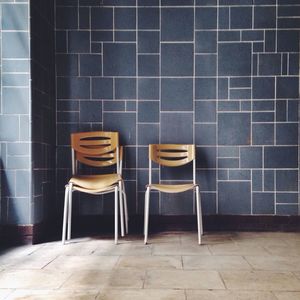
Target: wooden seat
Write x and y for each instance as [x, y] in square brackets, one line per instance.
[172, 155]
[96, 149]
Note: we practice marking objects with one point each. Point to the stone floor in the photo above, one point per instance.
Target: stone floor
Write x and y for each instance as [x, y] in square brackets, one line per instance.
[243, 265]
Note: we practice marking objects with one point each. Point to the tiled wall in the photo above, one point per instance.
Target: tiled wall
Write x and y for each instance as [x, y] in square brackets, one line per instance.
[43, 109]
[222, 74]
[15, 135]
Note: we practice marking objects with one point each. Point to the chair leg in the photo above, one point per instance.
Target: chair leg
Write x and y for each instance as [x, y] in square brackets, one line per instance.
[70, 212]
[125, 207]
[147, 200]
[121, 209]
[199, 215]
[116, 215]
[65, 214]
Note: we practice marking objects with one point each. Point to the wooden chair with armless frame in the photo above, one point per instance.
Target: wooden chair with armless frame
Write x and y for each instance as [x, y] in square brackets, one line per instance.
[172, 155]
[96, 149]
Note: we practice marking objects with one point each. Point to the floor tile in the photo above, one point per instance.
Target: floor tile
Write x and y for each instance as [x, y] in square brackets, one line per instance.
[149, 262]
[144, 294]
[260, 280]
[288, 295]
[214, 262]
[283, 250]
[52, 295]
[87, 262]
[131, 278]
[181, 279]
[32, 279]
[228, 295]
[236, 249]
[171, 249]
[274, 263]
[124, 249]
[4, 293]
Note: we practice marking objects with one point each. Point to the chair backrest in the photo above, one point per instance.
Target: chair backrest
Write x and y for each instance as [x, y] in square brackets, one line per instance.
[172, 155]
[95, 148]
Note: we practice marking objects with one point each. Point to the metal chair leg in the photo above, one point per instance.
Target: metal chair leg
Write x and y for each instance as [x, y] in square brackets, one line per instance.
[116, 215]
[199, 215]
[121, 209]
[125, 207]
[70, 212]
[147, 200]
[65, 214]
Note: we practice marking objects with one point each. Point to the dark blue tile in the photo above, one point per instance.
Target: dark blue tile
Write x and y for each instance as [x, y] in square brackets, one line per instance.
[73, 88]
[257, 180]
[287, 180]
[234, 128]
[124, 123]
[205, 88]
[281, 110]
[177, 59]
[263, 134]
[15, 17]
[206, 42]
[269, 180]
[246, 106]
[102, 36]
[148, 18]
[205, 111]
[232, 35]
[228, 151]
[223, 18]
[235, 2]
[288, 209]
[66, 17]
[205, 65]
[208, 202]
[18, 210]
[222, 88]
[223, 174]
[287, 134]
[79, 41]
[287, 198]
[265, 17]
[205, 134]
[240, 94]
[177, 3]
[148, 65]
[251, 157]
[238, 82]
[125, 18]
[84, 18]
[148, 111]
[270, 40]
[263, 88]
[90, 65]
[176, 128]
[235, 59]
[96, 48]
[287, 40]
[15, 44]
[288, 23]
[148, 134]
[102, 88]
[15, 100]
[228, 105]
[206, 18]
[176, 94]
[113, 105]
[287, 87]
[252, 35]
[184, 172]
[102, 18]
[153, 205]
[293, 64]
[281, 157]
[66, 65]
[269, 64]
[177, 204]
[143, 162]
[263, 203]
[262, 105]
[91, 111]
[119, 59]
[293, 108]
[125, 36]
[241, 17]
[148, 3]
[230, 200]
[177, 24]
[207, 180]
[206, 157]
[228, 163]
[148, 42]
[115, 2]
[239, 174]
[130, 105]
[148, 89]
[125, 88]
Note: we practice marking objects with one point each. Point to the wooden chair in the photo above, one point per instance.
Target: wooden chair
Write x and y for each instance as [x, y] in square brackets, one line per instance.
[171, 155]
[96, 149]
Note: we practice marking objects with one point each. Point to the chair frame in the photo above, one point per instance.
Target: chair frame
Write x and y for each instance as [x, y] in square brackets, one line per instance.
[172, 155]
[81, 151]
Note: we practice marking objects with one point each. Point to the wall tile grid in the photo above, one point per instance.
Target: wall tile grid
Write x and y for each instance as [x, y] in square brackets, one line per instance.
[15, 150]
[43, 109]
[222, 74]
